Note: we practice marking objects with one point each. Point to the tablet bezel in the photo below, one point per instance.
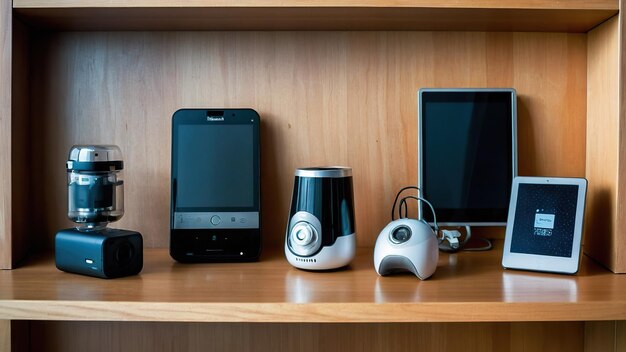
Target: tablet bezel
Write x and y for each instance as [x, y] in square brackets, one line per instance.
[535, 262]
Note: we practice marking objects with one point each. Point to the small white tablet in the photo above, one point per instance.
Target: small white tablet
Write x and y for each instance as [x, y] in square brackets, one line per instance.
[545, 224]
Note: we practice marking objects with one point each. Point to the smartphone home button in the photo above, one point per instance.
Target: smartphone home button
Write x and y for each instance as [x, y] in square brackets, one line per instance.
[215, 220]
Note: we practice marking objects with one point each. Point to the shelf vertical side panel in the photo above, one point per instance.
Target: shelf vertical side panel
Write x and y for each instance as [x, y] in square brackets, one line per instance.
[602, 230]
[14, 138]
[21, 212]
[619, 249]
[5, 134]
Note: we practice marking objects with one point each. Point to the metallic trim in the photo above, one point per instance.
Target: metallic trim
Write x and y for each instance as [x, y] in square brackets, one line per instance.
[307, 248]
[311, 248]
[95, 153]
[336, 256]
[419, 142]
[326, 172]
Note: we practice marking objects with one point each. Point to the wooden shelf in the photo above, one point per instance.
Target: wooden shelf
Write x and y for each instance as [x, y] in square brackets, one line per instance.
[483, 15]
[62, 85]
[467, 287]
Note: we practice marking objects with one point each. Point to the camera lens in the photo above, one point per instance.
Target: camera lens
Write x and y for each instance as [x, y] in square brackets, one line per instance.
[400, 234]
[124, 253]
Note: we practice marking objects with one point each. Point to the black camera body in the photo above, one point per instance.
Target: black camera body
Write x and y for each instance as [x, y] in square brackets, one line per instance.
[108, 253]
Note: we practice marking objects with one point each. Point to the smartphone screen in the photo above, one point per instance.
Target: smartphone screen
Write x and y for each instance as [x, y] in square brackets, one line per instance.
[215, 168]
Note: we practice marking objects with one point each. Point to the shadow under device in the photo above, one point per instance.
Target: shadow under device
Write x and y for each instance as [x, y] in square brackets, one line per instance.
[215, 212]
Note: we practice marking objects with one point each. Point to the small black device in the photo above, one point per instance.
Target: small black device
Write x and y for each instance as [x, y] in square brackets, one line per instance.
[95, 198]
[215, 211]
[106, 253]
[467, 153]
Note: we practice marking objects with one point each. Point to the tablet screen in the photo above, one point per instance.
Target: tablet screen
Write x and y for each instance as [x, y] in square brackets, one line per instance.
[467, 157]
[545, 218]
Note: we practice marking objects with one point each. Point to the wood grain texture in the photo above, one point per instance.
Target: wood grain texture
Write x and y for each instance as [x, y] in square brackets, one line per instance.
[604, 235]
[466, 287]
[549, 16]
[619, 244]
[6, 33]
[545, 337]
[605, 336]
[600, 336]
[101, 336]
[5, 336]
[620, 336]
[347, 98]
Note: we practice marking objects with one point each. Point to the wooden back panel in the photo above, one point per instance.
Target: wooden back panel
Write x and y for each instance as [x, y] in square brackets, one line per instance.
[325, 98]
[501, 337]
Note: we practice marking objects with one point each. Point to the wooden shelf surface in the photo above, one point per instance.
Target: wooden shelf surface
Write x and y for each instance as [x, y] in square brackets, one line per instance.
[481, 15]
[467, 287]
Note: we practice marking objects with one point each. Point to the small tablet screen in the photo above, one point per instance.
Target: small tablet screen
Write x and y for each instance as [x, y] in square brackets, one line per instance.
[545, 218]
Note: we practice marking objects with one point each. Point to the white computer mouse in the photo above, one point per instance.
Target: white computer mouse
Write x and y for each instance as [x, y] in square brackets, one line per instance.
[406, 245]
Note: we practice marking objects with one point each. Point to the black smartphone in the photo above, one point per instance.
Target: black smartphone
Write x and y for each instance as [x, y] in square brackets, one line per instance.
[215, 211]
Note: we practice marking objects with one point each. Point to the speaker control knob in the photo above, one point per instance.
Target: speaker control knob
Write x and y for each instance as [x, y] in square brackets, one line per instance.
[303, 233]
[304, 238]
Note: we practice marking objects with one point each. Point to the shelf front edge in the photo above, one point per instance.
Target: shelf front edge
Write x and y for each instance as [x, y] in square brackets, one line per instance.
[311, 312]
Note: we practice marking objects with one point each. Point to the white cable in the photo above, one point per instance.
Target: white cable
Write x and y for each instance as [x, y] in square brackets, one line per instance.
[449, 241]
